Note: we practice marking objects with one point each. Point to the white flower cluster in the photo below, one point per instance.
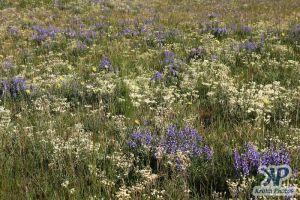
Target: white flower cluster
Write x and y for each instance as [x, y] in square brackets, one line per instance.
[78, 146]
[4, 117]
[53, 104]
[146, 181]
[248, 99]
[240, 188]
[102, 83]
[122, 161]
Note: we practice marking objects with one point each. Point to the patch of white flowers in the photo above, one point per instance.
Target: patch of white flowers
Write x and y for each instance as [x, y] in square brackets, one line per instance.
[4, 117]
[78, 146]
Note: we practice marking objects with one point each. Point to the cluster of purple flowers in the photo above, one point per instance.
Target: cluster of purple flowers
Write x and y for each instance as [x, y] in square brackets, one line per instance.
[220, 31]
[251, 159]
[100, 25]
[71, 33]
[44, 33]
[250, 46]
[157, 76]
[169, 57]
[105, 64]
[87, 35]
[14, 87]
[137, 29]
[246, 30]
[8, 64]
[13, 31]
[162, 36]
[81, 46]
[187, 141]
[169, 60]
[139, 139]
[196, 53]
[129, 32]
[84, 35]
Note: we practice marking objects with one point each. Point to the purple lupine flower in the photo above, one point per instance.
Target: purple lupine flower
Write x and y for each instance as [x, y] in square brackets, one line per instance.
[253, 155]
[13, 31]
[246, 29]
[132, 144]
[44, 33]
[276, 158]
[220, 31]
[196, 53]
[137, 136]
[136, 139]
[5, 87]
[52, 31]
[128, 32]
[14, 87]
[87, 35]
[8, 64]
[196, 151]
[186, 141]
[100, 25]
[18, 85]
[148, 139]
[169, 57]
[70, 33]
[250, 46]
[105, 64]
[170, 141]
[266, 159]
[245, 166]
[157, 76]
[208, 152]
[252, 159]
[284, 155]
[237, 160]
[160, 37]
[139, 139]
[81, 46]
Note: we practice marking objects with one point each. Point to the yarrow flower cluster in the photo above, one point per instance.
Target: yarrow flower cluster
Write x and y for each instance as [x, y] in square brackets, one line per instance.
[249, 161]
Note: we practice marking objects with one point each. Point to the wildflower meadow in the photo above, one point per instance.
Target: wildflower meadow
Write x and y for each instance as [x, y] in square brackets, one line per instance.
[148, 100]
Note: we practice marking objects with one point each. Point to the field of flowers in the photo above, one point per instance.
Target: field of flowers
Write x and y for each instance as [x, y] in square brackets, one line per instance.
[146, 100]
